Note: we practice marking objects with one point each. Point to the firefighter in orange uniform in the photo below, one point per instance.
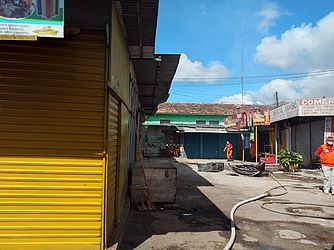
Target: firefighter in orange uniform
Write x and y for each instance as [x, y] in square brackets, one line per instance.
[229, 150]
[326, 153]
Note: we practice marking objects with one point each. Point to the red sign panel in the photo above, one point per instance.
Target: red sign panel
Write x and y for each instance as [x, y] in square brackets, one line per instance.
[247, 119]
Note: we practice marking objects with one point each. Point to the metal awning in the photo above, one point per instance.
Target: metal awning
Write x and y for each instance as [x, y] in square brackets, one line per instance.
[194, 129]
[154, 78]
[154, 73]
[139, 21]
[207, 129]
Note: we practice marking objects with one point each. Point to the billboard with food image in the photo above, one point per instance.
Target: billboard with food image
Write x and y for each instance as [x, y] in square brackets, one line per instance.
[247, 119]
[41, 18]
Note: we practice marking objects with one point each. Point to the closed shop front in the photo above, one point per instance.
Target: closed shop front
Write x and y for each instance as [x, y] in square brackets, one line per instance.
[305, 120]
[192, 145]
[303, 142]
[209, 145]
[113, 153]
[52, 142]
[317, 137]
[306, 138]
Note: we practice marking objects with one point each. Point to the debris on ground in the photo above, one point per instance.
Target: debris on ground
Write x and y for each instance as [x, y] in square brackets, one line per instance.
[211, 167]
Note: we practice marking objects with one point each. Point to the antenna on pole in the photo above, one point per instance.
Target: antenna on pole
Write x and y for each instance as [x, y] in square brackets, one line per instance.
[242, 60]
[276, 99]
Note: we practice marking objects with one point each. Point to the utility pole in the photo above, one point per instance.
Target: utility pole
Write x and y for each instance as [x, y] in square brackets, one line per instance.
[276, 130]
[242, 60]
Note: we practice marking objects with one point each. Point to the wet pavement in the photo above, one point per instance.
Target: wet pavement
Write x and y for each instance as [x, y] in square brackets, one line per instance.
[199, 219]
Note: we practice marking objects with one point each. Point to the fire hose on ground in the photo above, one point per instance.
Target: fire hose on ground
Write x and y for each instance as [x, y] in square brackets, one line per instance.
[234, 209]
[268, 193]
[231, 241]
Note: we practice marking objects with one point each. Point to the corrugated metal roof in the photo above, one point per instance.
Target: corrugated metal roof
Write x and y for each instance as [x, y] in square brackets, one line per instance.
[208, 109]
[154, 78]
[139, 20]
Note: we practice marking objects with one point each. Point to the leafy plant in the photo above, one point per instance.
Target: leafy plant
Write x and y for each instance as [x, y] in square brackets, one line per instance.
[290, 160]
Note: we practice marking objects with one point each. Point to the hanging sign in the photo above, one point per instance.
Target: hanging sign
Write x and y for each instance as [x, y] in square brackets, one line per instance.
[322, 106]
[39, 18]
[284, 112]
[247, 119]
[261, 118]
[329, 127]
[236, 121]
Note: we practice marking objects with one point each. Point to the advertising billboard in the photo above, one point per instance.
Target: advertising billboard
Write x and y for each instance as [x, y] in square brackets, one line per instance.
[39, 18]
[247, 119]
[318, 106]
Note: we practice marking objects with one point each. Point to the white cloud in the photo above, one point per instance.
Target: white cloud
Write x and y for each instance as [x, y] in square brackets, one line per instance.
[195, 71]
[269, 14]
[237, 99]
[288, 90]
[306, 47]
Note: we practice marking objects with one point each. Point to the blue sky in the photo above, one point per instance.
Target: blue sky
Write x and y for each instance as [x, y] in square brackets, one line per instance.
[278, 39]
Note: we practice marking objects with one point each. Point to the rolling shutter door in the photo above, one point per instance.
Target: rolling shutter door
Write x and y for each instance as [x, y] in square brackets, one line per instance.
[293, 138]
[317, 136]
[51, 143]
[192, 145]
[210, 146]
[303, 142]
[113, 137]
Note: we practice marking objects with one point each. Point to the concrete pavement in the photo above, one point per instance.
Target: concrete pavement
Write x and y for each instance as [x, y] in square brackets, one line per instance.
[199, 219]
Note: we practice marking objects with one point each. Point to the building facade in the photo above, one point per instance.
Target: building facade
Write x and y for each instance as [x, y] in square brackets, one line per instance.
[199, 130]
[303, 126]
[69, 124]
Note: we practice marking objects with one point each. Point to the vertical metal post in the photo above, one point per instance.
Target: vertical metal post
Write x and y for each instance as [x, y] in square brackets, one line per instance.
[243, 147]
[276, 131]
[242, 61]
[256, 145]
[201, 145]
[276, 143]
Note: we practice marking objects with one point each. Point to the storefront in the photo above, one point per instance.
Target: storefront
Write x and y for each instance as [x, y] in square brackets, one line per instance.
[66, 109]
[206, 144]
[52, 141]
[256, 132]
[304, 125]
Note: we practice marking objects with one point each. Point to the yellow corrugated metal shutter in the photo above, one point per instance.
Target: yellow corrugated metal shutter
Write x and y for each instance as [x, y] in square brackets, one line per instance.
[113, 138]
[51, 143]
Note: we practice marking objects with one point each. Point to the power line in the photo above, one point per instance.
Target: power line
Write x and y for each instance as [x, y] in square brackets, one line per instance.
[194, 94]
[256, 80]
[299, 74]
[260, 81]
[202, 96]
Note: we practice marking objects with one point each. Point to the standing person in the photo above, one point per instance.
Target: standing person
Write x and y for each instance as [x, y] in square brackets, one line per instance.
[252, 149]
[326, 154]
[229, 150]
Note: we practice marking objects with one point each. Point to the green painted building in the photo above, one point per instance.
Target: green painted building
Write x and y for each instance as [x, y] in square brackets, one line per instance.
[184, 119]
[197, 130]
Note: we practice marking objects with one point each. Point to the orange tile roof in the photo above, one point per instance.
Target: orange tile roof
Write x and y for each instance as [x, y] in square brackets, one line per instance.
[208, 109]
